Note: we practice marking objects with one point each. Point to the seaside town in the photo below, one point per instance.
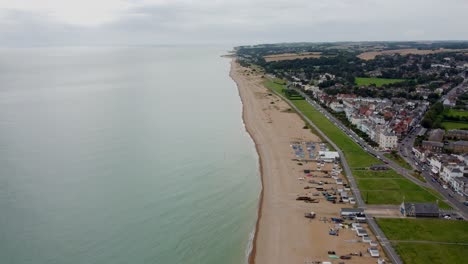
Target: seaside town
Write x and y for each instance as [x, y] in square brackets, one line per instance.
[393, 119]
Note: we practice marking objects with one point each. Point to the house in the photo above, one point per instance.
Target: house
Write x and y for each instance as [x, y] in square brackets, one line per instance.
[449, 103]
[419, 209]
[460, 185]
[457, 134]
[436, 135]
[459, 146]
[387, 140]
[432, 146]
[451, 172]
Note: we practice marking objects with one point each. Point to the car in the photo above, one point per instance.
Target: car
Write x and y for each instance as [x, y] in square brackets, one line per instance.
[445, 187]
[450, 195]
[465, 203]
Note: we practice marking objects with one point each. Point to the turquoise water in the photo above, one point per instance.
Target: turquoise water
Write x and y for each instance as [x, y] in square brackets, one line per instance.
[123, 155]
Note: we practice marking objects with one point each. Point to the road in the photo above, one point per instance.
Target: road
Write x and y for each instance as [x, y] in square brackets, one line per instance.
[379, 155]
[384, 242]
[405, 150]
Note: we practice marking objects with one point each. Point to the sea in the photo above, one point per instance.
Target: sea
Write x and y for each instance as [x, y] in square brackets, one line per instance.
[124, 155]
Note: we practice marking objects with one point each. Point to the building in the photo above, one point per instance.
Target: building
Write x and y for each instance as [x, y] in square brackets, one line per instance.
[432, 146]
[329, 156]
[351, 211]
[457, 134]
[459, 146]
[436, 135]
[387, 140]
[419, 209]
[450, 172]
[460, 185]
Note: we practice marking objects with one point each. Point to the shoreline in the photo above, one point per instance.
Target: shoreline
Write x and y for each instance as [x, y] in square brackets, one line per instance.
[252, 252]
[282, 234]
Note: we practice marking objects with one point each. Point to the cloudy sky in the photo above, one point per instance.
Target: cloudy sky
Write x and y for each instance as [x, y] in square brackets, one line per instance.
[145, 22]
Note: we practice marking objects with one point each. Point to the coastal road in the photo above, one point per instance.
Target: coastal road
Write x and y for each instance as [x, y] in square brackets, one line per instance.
[384, 242]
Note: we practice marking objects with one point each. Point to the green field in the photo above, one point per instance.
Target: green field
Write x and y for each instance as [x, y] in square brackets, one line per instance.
[377, 81]
[385, 187]
[409, 231]
[453, 112]
[399, 160]
[420, 253]
[369, 174]
[455, 125]
[437, 230]
[388, 187]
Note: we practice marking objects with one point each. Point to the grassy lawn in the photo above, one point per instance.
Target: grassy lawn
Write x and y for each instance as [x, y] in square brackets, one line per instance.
[364, 174]
[377, 81]
[399, 160]
[418, 253]
[388, 187]
[455, 125]
[385, 187]
[453, 112]
[425, 229]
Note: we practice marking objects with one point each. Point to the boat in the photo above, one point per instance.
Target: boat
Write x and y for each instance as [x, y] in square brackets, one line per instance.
[310, 215]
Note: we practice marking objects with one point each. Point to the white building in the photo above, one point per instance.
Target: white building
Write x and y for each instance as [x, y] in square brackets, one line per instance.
[329, 156]
[451, 172]
[387, 140]
[337, 107]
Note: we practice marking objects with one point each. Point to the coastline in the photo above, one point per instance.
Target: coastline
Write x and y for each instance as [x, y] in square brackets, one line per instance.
[252, 253]
[282, 234]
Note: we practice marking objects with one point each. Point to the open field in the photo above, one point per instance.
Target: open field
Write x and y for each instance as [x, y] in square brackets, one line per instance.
[421, 253]
[455, 125]
[369, 174]
[453, 112]
[372, 54]
[388, 187]
[437, 230]
[399, 160]
[292, 56]
[413, 236]
[377, 81]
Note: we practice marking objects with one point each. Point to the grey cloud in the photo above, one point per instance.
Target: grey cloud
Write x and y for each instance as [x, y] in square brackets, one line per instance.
[246, 22]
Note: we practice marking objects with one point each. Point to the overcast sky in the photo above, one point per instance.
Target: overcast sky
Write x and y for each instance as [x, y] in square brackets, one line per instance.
[143, 22]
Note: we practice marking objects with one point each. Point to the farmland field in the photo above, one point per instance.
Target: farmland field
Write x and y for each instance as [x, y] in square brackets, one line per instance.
[370, 55]
[377, 81]
[291, 56]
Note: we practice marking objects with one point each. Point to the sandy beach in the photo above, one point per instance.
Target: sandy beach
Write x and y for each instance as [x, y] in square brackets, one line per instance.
[283, 234]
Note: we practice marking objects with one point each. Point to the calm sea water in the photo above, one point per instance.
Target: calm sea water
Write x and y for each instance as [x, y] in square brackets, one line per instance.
[123, 155]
